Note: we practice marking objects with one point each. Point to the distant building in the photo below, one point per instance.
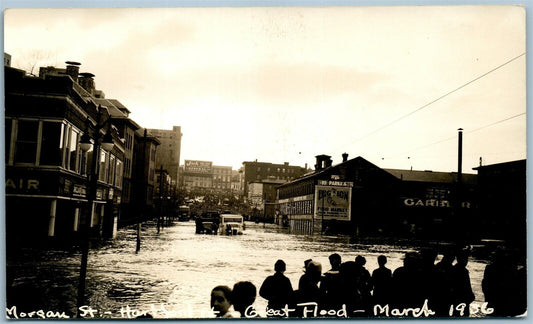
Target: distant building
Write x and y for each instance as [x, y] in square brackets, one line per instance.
[222, 178]
[198, 175]
[7, 59]
[262, 199]
[236, 182]
[168, 153]
[255, 171]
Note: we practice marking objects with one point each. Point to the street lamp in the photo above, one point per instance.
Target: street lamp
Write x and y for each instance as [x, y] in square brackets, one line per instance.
[106, 143]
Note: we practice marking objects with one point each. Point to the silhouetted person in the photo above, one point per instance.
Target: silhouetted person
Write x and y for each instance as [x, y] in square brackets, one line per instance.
[363, 282]
[461, 287]
[503, 284]
[277, 289]
[308, 290]
[443, 283]
[431, 286]
[331, 284]
[406, 283]
[221, 302]
[199, 225]
[350, 294]
[308, 284]
[243, 297]
[381, 282]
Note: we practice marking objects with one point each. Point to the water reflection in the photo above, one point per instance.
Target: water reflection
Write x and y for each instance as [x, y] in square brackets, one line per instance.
[174, 272]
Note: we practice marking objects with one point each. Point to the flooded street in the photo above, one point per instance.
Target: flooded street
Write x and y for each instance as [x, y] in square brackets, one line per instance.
[175, 270]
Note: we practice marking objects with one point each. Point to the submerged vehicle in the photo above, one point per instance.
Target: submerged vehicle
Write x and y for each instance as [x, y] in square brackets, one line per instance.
[208, 223]
[184, 213]
[231, 224]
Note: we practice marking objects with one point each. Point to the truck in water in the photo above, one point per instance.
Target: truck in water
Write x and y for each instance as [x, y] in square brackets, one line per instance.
[223, 224]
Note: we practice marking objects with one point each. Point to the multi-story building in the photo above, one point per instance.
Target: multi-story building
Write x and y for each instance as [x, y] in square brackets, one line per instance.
[222, 178]
[168, 153]
[198, 175]
[126, 128]
[236, 182]
[254, 171]
[144, 166]
[47, 172]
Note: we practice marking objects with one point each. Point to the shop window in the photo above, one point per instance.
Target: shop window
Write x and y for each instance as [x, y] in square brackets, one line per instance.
[26, 144]
[52, 143]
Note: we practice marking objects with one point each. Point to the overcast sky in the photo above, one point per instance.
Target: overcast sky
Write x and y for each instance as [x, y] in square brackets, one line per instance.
[283, 84]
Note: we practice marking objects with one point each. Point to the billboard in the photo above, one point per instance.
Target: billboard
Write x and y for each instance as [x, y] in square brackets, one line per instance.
[333, 202]
[193, 166]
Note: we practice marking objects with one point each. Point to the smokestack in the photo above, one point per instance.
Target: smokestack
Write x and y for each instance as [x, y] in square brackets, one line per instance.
[344, 157]
[73, 69]
[460, 156]
[87, 82]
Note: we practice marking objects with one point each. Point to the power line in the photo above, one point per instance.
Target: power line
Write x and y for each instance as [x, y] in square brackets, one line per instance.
[454, 137]
[439, 98]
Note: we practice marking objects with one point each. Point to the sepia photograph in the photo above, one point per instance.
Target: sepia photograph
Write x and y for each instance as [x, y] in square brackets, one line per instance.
[265, 161]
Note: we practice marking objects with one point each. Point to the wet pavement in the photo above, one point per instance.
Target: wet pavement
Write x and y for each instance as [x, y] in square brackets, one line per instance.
[175, 270]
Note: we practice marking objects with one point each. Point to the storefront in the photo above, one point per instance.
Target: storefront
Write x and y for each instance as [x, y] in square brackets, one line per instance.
[46, 169]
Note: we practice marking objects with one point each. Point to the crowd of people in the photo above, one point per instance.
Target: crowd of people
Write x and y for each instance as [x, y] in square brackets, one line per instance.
[348, 289]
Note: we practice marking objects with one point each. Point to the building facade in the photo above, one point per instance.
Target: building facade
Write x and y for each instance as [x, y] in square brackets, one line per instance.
[46, 169]
[198, 175]
[358, 198]
[222, 178]
[503, 203]
[255, 171]
[168, 153]
[262, 197]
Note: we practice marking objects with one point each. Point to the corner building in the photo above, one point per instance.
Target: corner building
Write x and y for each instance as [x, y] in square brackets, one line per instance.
[46, 170]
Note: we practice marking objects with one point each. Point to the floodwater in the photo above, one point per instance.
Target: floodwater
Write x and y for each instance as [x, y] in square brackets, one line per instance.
[173, 273]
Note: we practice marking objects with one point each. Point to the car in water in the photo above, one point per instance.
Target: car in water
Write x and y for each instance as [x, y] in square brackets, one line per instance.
[231, 224]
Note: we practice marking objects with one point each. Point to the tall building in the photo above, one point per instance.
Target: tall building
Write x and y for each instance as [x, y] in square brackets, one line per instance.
[168, 153]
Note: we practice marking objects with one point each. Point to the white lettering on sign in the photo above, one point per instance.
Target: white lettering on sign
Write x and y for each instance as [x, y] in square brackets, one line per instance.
[335, 183]
[415, 202]
[29, 184]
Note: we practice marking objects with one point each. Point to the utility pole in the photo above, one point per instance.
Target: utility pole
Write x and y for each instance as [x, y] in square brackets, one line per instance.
[106, 143]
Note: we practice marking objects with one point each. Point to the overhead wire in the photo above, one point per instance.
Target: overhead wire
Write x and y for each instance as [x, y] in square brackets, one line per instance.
[438, 99]
[466, 132]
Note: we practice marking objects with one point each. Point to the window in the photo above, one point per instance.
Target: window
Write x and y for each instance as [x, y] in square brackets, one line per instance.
[112, 160]
[103, 173]
[52, 143]
[26, 144]
[72, 150]
[8, 129]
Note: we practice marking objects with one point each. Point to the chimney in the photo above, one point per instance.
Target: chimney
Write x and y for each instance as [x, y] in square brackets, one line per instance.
[73, 69]
[344, 157]
[87, 82]
[322, 161]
